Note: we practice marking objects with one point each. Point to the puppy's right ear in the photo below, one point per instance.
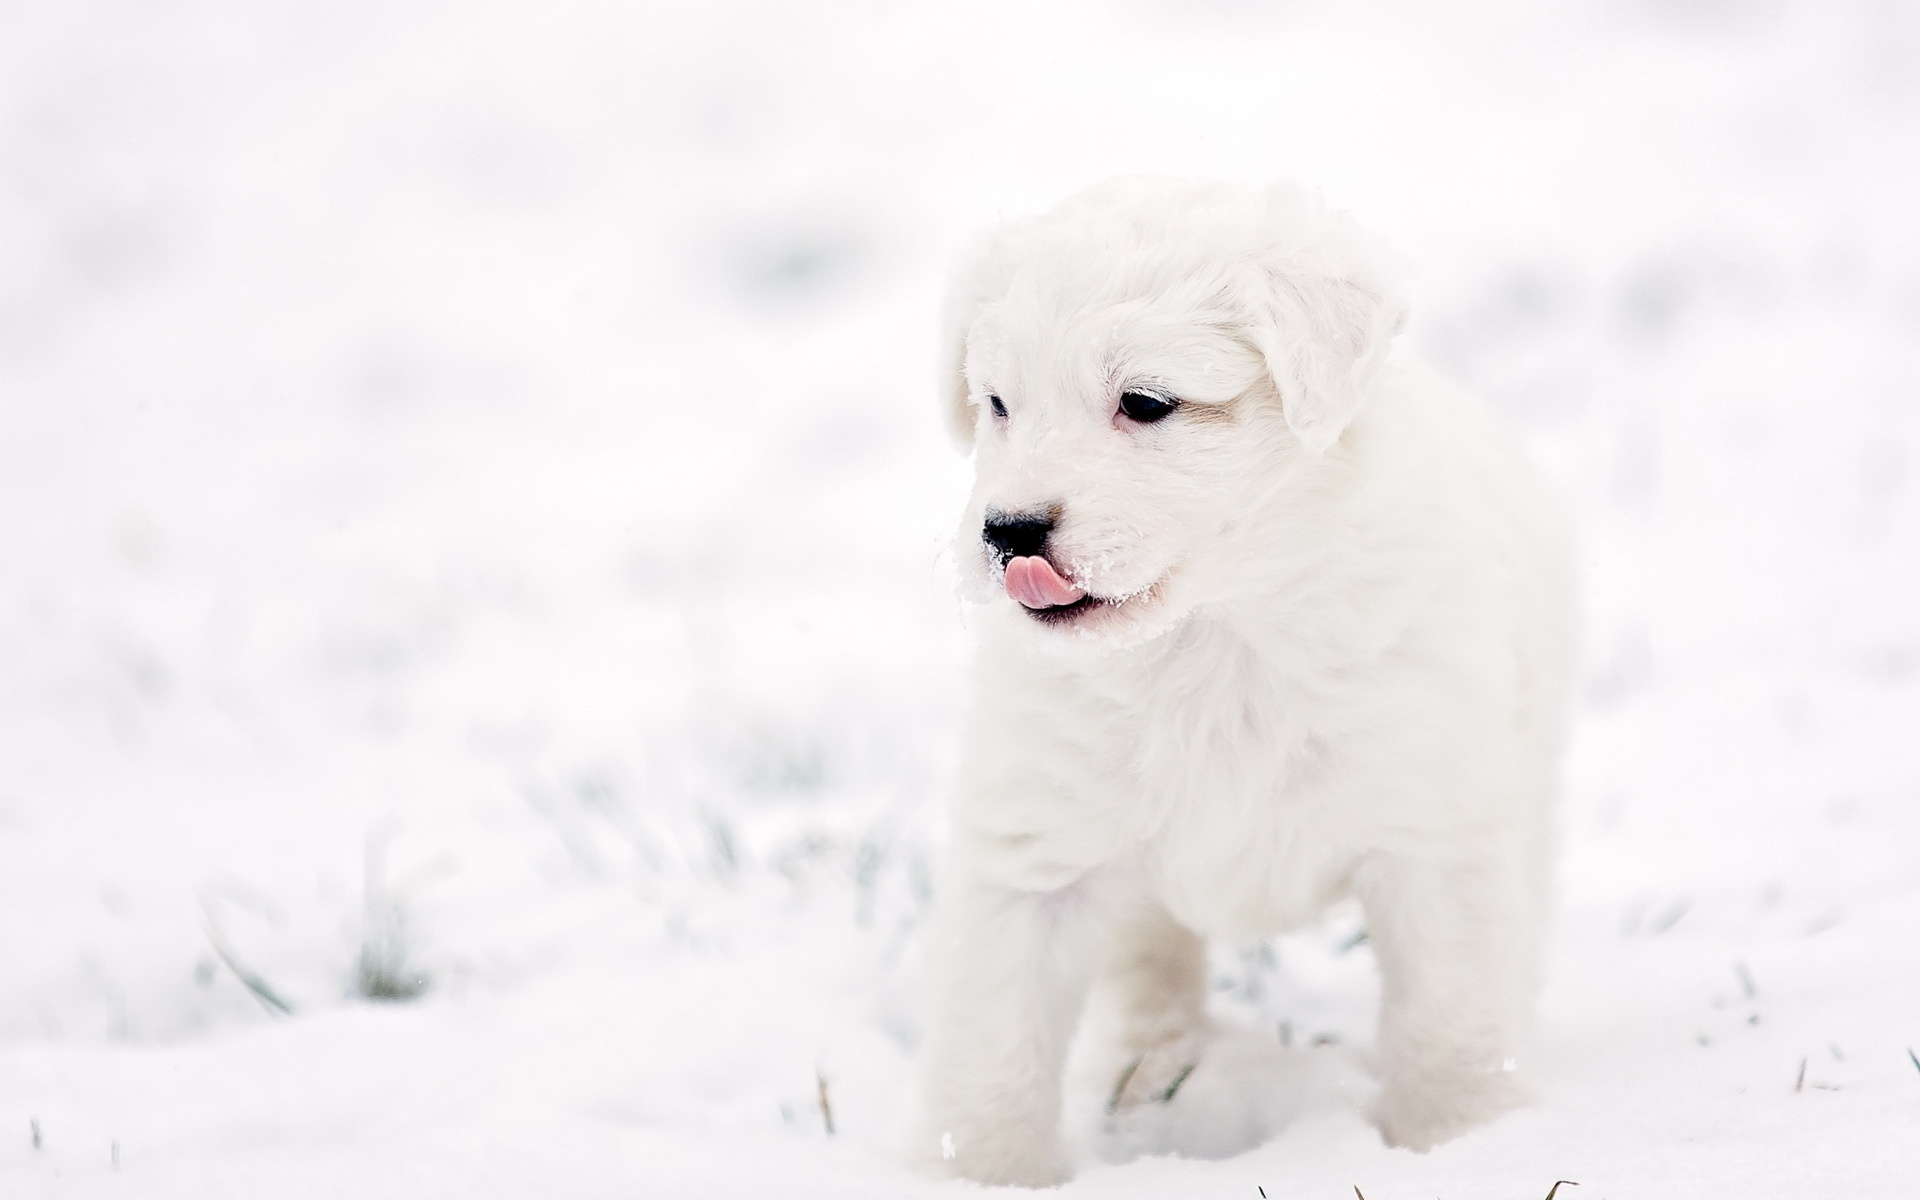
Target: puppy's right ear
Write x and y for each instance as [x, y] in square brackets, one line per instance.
[979, 275]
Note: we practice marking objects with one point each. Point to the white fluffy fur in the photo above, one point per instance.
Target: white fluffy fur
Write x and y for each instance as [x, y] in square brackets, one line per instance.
[1333, 663]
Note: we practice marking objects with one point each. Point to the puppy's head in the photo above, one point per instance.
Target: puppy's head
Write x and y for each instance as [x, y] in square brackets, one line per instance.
[1140, 374]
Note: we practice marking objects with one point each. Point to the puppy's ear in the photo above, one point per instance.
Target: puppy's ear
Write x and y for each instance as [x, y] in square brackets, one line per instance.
[979, 275]
[1325, 316]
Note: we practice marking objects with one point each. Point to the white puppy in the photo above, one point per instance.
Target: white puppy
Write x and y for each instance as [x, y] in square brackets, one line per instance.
[1271, 620]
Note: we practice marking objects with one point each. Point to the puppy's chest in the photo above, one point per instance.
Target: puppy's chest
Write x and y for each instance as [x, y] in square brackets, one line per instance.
[1244, 838]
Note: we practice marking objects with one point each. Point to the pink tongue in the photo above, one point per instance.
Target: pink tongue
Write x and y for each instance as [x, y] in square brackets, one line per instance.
[1033, 582]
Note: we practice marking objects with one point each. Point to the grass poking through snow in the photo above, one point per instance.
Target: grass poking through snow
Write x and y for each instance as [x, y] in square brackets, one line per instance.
[826, 1102]
[1173, 1088]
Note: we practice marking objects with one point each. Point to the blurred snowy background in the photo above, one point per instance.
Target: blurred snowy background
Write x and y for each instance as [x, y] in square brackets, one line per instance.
[478, 677]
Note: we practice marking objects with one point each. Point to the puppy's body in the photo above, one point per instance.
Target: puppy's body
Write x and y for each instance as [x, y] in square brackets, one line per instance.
[1322, 652]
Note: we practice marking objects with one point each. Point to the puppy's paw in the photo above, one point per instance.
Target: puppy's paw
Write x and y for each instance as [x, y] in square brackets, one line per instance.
[1441, 1106]
[1156, 1074]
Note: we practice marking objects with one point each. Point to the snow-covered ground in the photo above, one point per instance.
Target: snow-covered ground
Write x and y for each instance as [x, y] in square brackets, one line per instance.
[472, 510]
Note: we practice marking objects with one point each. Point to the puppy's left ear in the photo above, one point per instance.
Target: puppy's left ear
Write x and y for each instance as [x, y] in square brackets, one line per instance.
[979, 276]
[1325, 318]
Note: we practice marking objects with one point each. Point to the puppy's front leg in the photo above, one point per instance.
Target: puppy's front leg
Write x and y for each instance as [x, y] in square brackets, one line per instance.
[1154, 979]
[1012, 976]
[1458, 945]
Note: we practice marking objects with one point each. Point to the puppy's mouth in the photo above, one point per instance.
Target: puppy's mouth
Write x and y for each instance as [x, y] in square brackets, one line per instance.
[1046, 594]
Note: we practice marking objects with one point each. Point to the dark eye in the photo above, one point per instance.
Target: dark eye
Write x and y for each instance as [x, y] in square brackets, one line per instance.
[999, 406]
[1145, 407]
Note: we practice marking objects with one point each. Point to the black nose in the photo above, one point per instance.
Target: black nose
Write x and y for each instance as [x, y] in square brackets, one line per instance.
[1016, 535]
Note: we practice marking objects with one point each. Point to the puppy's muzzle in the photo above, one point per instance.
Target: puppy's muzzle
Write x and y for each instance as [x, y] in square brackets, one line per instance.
[1019, 542]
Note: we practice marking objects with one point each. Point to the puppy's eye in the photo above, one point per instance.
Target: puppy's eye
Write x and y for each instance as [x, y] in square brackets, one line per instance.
[1145, 407]
[999, 406]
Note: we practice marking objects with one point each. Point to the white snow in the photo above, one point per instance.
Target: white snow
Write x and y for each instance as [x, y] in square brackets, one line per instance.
[472, 506]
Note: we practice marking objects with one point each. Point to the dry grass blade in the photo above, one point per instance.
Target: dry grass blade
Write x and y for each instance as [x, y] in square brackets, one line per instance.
[826, 1104]
[1913, 1058]
[1800, 1080]
[1557, 1185]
